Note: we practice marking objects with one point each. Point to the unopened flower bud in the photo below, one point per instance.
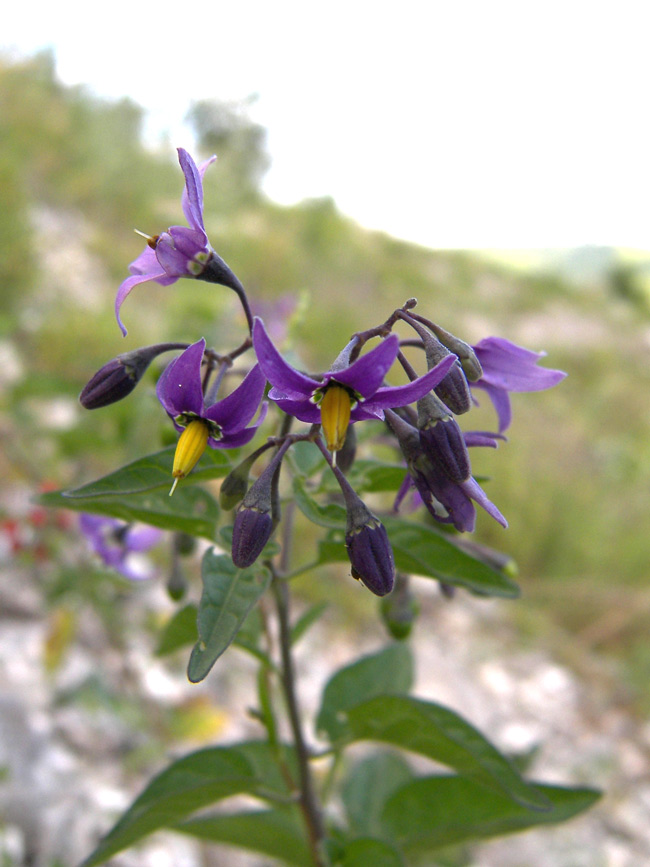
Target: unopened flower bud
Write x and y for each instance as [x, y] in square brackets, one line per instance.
[453, 390]
[442, 439]
[470, 363]
[366, 540]
[119, 377]
[258, 514]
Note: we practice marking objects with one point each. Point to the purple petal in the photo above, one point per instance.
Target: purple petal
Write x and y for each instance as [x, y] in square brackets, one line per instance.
[303, 410]
[192, 198]
[501, 402]
[367, 373]
[513, 368]
[476, 438]
[241, 437]
[235, 411]
[129, 283]
[190, 242]
[401, 395]
[142, 537]
[179, 389]
[278, 372]
[472, 488]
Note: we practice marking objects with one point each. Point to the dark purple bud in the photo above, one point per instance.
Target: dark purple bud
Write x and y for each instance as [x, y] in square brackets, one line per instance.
[453, 390]
[119, 377]
[470, 363]
[400, 609]
[251, 532]
[370, 553]
[442, 439]
[216, 271]
[258, 514]
[366, 540]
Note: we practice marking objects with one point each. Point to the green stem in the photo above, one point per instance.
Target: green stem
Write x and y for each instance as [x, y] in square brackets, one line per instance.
[308, 801]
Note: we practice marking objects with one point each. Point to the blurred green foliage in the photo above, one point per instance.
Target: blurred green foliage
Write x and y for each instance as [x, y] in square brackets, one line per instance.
[75, 179]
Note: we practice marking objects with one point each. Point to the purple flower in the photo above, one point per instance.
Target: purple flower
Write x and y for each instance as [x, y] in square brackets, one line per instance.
[119, 543]
[508, 367]
[347, 392]
[181, 251]
[180, 391]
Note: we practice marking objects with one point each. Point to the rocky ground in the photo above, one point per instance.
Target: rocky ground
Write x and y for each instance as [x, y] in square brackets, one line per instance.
[70, 767]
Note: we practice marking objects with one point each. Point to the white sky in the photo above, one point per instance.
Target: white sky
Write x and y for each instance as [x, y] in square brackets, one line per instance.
[465, 123]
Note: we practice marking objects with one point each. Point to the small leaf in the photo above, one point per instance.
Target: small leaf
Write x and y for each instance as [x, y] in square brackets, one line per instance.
[275, 833]
[435, 812]
[187, 785]
[437, 732]
[421, 550]
[330, 515]
[179, 631]
[365, 851]
[228, 595]
[390, 670]
[191, 509]
[375, 476]
[367, 787]
[151, 472]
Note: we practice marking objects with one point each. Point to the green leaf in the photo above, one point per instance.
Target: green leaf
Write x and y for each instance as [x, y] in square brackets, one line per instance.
[275, 833]
[228, 595]
[307, 619]
[439, 811]
[374, 476]
[331, 515]
[271, 765]
[306, 458]
[390, 670]
[437, 732]
[179, 631]
[154, 471]
[421, 550]
[366, 788]
[191, 510]
[365, 851]
[187, 785]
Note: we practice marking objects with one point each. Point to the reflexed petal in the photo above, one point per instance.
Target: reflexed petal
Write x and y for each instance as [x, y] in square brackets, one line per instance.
[179, 389]
[501, 402]
[129, 283]
[511, 367]
[303, 410]
[192, 198]
[401, 395]
[278, 372]
[367, 373]
[235, 411]
[472, 488]
[240, 437]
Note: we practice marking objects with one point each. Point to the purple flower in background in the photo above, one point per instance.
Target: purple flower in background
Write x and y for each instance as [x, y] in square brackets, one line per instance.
[119, 544]
[181, 251]
[347, 392]
[508, 367]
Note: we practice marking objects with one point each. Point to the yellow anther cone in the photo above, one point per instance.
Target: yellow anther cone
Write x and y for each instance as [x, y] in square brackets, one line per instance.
[191, 445]
[335, 408]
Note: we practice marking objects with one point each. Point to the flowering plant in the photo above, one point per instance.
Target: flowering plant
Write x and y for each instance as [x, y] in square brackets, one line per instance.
[311, 461]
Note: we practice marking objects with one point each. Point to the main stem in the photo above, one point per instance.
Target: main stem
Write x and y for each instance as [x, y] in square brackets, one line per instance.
[308, 800]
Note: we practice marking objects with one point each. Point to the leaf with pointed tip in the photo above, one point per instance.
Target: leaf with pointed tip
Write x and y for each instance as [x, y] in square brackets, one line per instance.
[187, 785]
[441, 734]
[390, 670]
[228, 595]
[434, 812]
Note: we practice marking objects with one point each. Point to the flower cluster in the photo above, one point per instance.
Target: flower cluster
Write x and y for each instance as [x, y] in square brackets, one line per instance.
[420, 415]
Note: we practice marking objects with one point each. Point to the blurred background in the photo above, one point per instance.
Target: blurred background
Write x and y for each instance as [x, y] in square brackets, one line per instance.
[491, 163]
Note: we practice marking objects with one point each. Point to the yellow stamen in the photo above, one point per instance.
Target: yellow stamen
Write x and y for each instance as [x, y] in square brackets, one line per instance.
[191, 445]
[335, 408]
